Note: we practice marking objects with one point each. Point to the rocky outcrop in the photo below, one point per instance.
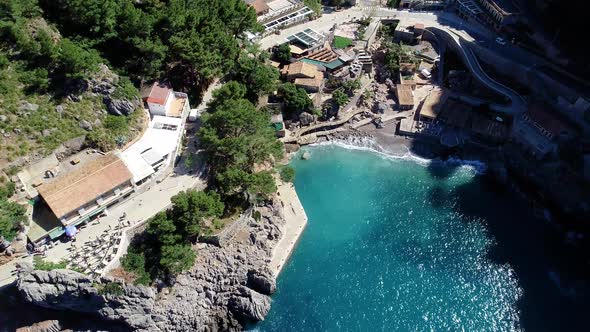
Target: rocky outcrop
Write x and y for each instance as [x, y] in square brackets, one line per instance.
[85, 125]
[306, 118]
[26, 106]
[70, 290]
[226, 287]
[120, 106]
[262, 281]
[44, 326]
[102, 83]
[249, 304]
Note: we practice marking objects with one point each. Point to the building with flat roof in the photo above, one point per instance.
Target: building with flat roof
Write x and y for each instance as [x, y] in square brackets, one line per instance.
[432, 105]
[488, 129]
[405, 96]
[300, 69]
[157, 148]
[162, 100]
[75, 197]
[311, 85]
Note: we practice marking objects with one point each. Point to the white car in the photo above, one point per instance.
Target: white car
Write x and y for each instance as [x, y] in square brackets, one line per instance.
[500, 41]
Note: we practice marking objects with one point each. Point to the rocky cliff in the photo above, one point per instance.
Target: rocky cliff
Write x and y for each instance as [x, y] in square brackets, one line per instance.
[227, 287]
[70, 290]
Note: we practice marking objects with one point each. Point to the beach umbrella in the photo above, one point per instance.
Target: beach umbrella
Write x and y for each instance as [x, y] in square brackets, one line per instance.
[71, 230]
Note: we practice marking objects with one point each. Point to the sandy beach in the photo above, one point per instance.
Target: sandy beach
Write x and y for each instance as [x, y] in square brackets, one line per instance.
[396, 145]
[296, 220]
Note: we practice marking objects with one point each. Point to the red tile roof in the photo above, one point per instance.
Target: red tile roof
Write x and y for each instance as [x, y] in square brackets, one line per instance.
[73, 190]
[159, 93]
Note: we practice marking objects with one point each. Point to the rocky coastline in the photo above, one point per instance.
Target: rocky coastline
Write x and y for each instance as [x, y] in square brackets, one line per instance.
[227, 287]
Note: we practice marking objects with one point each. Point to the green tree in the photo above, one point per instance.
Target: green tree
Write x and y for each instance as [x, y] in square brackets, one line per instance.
[351, 86]
[231, 90]
[258, 77]
[238, 134]
[75, 60]
[190, 209]
[177, 258]
[164, 229]
[393, 3]
[392, 58]
[7, 189]
[261, 185]
[91, 18]
[314, 5]
[12, 218]
[287, 173]
[296, 99]
[340, 98]
[283, 52]
[135, 263]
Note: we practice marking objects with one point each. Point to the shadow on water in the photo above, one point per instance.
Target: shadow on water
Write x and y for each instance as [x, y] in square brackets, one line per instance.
[549, 271]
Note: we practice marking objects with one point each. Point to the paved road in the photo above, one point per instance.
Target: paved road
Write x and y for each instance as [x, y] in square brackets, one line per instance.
[518, 104]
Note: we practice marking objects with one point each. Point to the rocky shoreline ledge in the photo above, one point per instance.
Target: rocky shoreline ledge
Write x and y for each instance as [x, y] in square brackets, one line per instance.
[226, 288]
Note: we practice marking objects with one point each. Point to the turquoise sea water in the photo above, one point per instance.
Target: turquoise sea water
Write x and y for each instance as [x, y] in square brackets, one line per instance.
[400, 245]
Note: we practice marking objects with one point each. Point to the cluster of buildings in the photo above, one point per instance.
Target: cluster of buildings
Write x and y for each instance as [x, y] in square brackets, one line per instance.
[430, 110]
[76, 190]
[316, 59]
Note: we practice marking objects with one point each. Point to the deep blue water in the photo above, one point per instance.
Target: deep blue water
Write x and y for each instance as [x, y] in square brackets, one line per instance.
[400, 245]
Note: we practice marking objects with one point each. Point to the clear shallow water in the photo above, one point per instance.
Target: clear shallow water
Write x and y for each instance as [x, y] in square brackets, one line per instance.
[396, 245]
[401, 245]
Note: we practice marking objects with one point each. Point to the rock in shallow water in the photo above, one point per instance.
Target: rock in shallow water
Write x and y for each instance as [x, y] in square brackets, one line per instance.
[262, 281]
[252, 305]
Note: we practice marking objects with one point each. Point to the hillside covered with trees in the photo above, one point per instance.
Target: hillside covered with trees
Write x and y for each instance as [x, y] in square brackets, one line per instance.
[55, 54]
[50, 50]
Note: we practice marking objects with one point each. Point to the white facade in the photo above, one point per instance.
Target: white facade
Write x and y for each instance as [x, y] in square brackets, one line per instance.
[158, 109]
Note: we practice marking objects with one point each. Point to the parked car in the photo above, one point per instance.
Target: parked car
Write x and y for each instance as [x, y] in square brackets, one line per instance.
[500, 41]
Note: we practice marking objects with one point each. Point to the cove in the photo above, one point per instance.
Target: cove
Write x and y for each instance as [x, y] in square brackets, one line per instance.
[395, 244]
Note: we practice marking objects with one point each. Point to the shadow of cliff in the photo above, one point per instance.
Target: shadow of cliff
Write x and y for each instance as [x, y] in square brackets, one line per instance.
[551, 273]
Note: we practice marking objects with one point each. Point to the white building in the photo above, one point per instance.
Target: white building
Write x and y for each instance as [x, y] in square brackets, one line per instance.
[156, 149]
[162, 100]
